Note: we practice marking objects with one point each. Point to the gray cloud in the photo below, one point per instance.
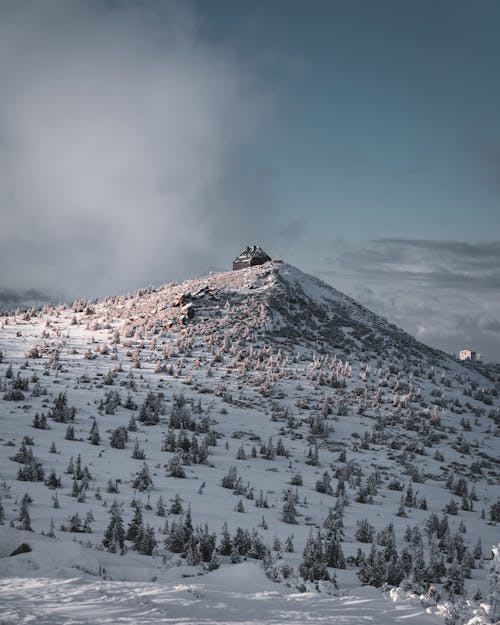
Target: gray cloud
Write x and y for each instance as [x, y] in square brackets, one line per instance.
[439, 264]
[119, 128]
[444, 292]
[293, 231]
[491, 325]
[11, 298]
[489, 249]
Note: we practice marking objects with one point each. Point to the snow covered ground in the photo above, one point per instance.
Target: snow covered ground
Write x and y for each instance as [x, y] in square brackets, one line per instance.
[237, 594]
[43, 587]
[261, 355]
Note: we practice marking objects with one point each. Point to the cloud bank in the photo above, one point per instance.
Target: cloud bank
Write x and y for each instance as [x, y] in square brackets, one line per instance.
[444, 292]
[120, 147]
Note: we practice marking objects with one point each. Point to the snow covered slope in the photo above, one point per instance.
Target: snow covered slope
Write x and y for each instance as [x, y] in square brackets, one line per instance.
[249, 417]
[275, 302]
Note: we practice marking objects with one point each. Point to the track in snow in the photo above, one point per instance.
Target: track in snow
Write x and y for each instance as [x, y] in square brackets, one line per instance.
[44, 601]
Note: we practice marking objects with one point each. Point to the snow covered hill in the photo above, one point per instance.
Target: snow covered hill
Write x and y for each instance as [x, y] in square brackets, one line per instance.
[167, 442]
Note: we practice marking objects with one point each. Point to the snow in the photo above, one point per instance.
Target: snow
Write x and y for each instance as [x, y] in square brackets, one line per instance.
[237, 594]
[264, 342]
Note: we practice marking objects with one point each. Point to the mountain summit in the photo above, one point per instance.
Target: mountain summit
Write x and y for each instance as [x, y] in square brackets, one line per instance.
[251, 417]
[273, 302]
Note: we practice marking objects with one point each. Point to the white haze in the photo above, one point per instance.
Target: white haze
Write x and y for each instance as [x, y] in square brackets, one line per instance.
[119, 127]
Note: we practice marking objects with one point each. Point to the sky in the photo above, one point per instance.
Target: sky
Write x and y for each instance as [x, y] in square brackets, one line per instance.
[146, 142]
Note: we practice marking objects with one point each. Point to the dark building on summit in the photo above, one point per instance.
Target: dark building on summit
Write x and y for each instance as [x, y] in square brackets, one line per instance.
[252, 255]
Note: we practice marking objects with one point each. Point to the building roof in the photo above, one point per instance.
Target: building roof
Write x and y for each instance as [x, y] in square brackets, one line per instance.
[253, 253]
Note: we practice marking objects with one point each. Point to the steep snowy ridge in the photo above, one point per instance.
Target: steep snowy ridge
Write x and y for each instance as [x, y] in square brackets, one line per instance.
[332, 444]
[286, 305]
[313, 310]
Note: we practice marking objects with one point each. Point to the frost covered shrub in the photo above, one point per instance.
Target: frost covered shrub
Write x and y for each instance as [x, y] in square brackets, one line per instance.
[313, 565]
[451, 508]
[261, 501]
[53, 481]
[114, 536]
[110, 402]
[61, 412]
[94, 436]
[151, 409]
[240, 507]
[138, 453]
[24, 517]
[373, 569]
[23, 454]
[13, 395]
[143, 481]
[494, 582]
[289, 512]
[297, 480]
[495, 512]
[180, 416]
[176, 505]
[118, 438]
[324, 485]
[175, 468]
[40, 422]
[146, 542]
[365, 531]
[76, 525]
[229, 480]
[31, 471]
[395, 484]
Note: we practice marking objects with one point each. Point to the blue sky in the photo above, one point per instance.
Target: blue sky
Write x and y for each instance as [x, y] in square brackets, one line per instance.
[359, 140]
[386, 112]
[385, 140]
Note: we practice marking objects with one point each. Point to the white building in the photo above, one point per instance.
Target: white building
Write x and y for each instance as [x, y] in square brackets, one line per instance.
[467, 354]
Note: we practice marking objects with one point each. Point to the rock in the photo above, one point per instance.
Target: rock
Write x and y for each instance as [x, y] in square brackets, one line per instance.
[182, 299]
[188, 310]
[23, 548]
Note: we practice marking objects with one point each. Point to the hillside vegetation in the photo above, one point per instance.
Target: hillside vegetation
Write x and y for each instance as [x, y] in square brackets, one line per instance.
[256, 420]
